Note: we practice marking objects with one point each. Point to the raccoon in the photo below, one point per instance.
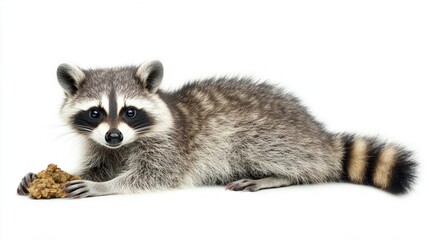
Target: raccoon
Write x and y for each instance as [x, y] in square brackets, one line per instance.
[236, 132]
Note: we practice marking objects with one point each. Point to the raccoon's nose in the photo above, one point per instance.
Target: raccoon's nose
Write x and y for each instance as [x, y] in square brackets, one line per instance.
[114, 137]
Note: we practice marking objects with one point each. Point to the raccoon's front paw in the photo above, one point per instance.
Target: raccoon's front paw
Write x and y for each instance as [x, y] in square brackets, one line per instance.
[78, 189]
[25, 183]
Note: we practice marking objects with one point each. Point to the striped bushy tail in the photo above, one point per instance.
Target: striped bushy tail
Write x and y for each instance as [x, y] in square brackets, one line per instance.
[373, 162]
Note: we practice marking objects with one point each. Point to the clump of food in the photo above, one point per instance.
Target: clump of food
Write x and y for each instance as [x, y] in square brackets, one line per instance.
[49, 183]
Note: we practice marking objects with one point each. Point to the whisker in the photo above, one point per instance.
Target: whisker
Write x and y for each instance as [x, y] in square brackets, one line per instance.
[83, 128]
[142, 130]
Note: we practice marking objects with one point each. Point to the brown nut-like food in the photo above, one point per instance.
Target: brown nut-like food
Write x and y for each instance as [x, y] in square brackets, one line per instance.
[49, 183]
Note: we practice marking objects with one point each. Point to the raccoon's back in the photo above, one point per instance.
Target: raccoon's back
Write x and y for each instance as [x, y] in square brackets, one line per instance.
[239, 98]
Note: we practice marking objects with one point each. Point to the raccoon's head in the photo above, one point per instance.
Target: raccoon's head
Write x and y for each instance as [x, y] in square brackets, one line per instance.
[114, 106]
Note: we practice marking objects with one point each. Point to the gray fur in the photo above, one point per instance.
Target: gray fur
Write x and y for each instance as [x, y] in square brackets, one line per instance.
[216, 131]
[223, 130]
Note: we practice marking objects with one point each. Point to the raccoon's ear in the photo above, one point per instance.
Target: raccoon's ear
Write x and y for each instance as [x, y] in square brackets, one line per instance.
[150, 75]
[69, 78]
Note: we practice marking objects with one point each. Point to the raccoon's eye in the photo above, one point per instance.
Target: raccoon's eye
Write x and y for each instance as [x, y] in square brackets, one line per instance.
[131, 112]
[94, 113]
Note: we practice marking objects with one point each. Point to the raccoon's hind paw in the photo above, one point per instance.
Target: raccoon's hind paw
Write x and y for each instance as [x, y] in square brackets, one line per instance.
[250, 185]
[247, 185]
[77, 189]
[25, 184]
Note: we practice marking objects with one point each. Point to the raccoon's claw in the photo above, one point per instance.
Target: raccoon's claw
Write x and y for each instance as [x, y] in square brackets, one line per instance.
[247, 185]
[77, 189]
[25, 183]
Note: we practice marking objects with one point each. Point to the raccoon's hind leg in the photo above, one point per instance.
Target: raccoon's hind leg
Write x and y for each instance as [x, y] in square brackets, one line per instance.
[251, 185]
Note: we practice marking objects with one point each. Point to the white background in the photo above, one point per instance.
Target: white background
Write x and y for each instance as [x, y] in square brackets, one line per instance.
[360, 66]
